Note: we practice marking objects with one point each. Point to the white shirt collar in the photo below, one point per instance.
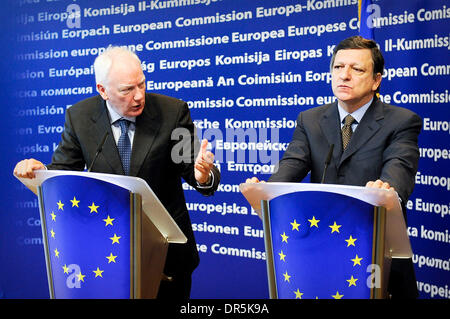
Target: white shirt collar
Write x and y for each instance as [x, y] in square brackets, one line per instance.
[114, 116]
[357, 115]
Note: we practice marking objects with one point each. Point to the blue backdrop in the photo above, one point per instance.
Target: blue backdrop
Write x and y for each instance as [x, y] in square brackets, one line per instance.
[242, 66]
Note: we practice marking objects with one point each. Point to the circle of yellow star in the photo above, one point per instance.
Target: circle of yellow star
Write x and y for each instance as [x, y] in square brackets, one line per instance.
[108, 221]
[56, 252]
[80, 276]
[52, 233]
[337, 295]
[356, 261]
[115, 239]
[286, 276]
[98, 272]
[352, 281]
[334, 227]
[350, 241]
[75, 202]
[282, 256]
[298, 294]
[93, 208]
[53, 216]
[284, 237]
[295, 225]
[60, 205]
[314, 222]
[65, 269]
[111, 258]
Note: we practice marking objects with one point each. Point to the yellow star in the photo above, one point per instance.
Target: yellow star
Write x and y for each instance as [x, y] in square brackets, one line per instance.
[111, 258]
[350, 241]
[98, 273]
[56, 252]
[115, 239]
[52, 233]
[334, 227]
[108, 221]
[75, 202]
[284, 237]
[352, 281]
[66, 269]
[60, 205]
[314, 222]
[80, 276]
[356, 261]
[337, 295]
[286, 276]
[53, 216]
[295, 225]
[282, 256]
[298, 294]
[93, 208]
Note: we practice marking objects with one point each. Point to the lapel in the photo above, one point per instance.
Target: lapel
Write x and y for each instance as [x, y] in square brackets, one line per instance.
[147, 128]
[329, 123]
[365, 130]
[102, 124]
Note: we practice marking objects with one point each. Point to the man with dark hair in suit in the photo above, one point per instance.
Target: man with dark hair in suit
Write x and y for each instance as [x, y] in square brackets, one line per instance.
[375, 144]
[143, 124]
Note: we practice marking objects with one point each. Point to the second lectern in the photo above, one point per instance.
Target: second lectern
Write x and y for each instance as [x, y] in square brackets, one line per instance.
[328, 241]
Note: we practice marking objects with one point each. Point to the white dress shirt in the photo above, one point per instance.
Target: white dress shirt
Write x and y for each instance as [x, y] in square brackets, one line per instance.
[357, 115]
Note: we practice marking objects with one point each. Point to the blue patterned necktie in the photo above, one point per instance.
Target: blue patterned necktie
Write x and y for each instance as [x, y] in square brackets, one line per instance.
[124, 145]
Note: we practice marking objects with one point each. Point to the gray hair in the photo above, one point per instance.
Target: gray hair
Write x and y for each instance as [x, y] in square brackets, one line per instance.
[103, 62]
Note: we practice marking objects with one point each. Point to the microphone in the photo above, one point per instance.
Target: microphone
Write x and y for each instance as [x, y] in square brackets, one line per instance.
[99, 149]
[327, 161]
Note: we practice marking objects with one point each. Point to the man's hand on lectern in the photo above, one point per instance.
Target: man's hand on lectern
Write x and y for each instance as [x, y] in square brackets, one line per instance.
[26, 168]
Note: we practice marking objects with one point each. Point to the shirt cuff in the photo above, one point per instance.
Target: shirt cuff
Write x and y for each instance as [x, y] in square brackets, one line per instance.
[208, 184]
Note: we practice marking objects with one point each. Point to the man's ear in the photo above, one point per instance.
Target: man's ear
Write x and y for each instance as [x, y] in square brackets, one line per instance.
[102, 91]
[377, 83]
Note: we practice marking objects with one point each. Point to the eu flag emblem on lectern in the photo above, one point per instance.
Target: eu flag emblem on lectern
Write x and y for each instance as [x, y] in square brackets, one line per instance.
[320, 248]
[88, 237]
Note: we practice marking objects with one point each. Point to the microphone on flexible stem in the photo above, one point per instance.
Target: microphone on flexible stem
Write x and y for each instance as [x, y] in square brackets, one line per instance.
[99, 149]
[327, 161]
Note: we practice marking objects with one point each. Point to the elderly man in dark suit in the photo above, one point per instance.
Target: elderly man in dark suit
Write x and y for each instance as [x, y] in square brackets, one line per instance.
[375, 144]
[140, 143]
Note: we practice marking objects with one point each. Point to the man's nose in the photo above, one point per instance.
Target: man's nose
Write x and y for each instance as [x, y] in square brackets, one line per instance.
[345, 73]
[138, 94]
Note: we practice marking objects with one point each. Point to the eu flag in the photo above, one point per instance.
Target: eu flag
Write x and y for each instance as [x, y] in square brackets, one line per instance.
[88, 237]
[322, 245]
[365, 24]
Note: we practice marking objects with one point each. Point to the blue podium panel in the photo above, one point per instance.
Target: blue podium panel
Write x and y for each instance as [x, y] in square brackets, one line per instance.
[88, 237]
[322, 245]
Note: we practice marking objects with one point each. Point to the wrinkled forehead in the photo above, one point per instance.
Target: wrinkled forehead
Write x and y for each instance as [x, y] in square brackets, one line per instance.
[360, 57]
[353, 56]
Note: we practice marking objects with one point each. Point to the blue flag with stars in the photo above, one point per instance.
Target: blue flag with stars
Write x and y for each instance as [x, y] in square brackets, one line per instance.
[88, 237]
[364, 12]
[322, 245]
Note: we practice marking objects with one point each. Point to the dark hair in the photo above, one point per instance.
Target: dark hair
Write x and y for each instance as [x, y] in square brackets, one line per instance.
[358, 42]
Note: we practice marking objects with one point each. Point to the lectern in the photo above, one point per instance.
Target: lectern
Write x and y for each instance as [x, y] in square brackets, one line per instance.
[329, 241]
[105, 236]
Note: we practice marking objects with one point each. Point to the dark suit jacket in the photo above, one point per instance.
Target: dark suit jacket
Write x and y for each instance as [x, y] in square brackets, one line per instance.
[383, 146]
[85, 125]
